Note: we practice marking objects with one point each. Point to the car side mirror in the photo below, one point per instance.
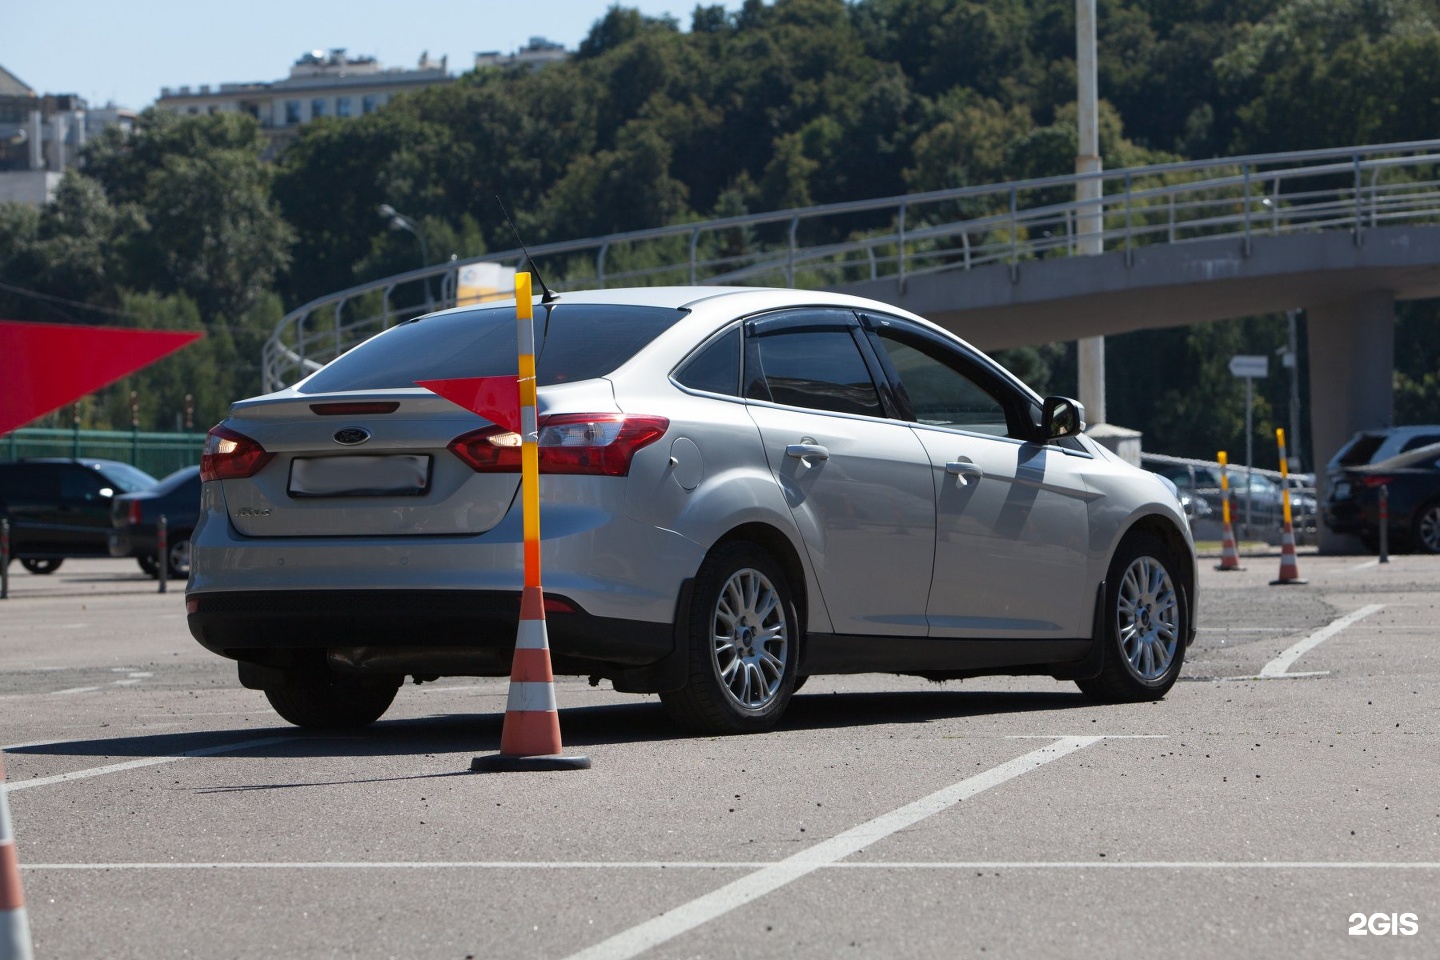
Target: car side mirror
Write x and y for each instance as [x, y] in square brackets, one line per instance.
[1061, 417]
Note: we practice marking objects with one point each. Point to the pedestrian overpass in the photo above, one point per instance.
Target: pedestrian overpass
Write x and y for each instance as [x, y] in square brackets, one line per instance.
[1342, 233]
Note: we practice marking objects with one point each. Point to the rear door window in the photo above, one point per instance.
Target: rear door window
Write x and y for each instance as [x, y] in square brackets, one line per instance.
[811, 359]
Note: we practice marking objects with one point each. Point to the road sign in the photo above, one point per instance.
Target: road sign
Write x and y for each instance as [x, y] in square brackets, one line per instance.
[1250, 365]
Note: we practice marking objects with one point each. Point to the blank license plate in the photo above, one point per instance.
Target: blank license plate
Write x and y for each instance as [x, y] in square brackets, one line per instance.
[393, 476]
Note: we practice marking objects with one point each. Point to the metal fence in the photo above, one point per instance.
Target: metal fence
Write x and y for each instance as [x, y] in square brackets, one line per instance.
[156, 453]
[1352, 189]
[1255, 510]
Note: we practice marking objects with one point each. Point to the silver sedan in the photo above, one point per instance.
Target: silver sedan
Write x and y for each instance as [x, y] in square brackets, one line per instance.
[740, 488]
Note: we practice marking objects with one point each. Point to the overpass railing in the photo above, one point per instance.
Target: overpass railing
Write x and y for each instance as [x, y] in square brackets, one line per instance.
[1354, 189]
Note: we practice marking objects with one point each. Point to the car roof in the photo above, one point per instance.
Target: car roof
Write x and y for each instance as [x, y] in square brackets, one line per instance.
[1409, 458]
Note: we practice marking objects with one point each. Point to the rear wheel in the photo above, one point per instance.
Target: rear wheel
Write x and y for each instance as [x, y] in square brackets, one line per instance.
[1146, 620]
[1425, 532]
[177, 559]
[743, 633]
[41, 567]
[317, 700]
[148, 565]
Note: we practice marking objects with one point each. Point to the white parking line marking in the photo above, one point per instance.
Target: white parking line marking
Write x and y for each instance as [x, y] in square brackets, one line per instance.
[686, 917]
[63, 693]
[752, 865]
[1362, 566]
[1278, 666]
[12, 785]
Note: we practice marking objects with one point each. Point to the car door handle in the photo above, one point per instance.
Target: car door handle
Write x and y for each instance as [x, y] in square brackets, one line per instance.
[807, 451]
[965, 470]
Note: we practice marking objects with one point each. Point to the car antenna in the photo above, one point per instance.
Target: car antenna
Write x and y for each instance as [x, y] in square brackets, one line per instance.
[547, 295]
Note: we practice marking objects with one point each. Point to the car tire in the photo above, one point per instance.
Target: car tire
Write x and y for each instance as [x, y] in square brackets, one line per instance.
[316, 700]
[148, 565]
[743, 634]
[1144, 625]
[1425, 531]
[177, 558]
[40, 567]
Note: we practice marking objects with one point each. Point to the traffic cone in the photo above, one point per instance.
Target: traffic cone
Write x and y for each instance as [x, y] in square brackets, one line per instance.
[14, 923]
[530, 737]
[1229, 555]
[1289, 570]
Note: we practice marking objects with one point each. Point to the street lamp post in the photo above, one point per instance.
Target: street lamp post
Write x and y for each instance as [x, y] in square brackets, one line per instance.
[398, 221]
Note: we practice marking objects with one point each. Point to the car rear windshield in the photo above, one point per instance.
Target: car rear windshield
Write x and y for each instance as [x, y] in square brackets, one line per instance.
[572, 342]
[1360, 449]
[127, 478]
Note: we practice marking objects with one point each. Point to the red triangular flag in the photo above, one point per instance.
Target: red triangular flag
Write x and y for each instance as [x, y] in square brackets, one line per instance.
[44, 366]
[497, 399]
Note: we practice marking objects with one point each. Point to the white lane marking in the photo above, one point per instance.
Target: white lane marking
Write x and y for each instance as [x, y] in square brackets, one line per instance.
[752, 865]
[63, 693]
[1362, 566]
[688, 916]
[1278, 666]
[13, 785]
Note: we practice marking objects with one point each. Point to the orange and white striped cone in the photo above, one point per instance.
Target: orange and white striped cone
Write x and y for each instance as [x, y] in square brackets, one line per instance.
[14, 922]
[1289, 569]
[530, 738]
[1229, 553]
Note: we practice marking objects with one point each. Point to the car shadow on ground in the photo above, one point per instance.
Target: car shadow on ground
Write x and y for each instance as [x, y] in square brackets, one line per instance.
[582, 727]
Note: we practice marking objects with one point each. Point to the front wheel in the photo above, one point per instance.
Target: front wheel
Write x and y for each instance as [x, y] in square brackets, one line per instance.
[41, 567]
[1146, 620]
[743, 633]
[316, 700]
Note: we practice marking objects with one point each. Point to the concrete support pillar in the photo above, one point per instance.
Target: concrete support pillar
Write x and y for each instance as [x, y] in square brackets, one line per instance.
[1352, 368]
[1090, 216]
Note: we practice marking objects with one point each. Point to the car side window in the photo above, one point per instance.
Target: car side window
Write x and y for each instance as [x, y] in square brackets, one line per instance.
[938, 393]
[77, 483]
[715, 367]
[815, 366]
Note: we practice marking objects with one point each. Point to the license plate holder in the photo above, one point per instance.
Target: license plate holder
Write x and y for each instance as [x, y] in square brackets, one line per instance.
[391, 475]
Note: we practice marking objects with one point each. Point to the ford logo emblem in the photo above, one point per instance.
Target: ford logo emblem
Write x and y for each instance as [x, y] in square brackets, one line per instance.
[352, 435]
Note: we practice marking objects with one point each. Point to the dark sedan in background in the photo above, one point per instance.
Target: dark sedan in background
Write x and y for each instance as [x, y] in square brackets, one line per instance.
[135, 522]
[59, 507]
[1413, 482]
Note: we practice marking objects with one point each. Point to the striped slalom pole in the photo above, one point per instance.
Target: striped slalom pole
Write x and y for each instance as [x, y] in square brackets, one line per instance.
[1229, 555]
[14, 922]
[1289, 569]
[530, 738]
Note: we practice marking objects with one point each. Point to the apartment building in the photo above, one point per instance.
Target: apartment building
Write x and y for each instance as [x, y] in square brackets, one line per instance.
[321, 84]
[41, 135]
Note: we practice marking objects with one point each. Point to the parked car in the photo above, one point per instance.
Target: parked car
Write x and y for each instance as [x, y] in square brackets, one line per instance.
[60, 508]
[1412, 480]
[741, 488]
[1372, 446]
[1266, 507]
[135, 522]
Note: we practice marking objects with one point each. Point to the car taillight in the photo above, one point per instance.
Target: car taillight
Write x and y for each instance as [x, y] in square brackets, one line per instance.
[602, 444]
[134, 516]
[1375, 481]
[231, 456]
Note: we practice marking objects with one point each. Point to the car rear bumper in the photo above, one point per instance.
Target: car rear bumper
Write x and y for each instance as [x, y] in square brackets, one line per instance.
[444, 632]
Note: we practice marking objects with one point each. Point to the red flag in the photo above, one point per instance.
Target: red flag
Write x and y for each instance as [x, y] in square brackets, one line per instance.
[497, 399]
[44, 366]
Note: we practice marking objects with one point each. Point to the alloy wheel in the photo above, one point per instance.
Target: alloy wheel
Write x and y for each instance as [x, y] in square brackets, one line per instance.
[1148, 618]
[750, 639]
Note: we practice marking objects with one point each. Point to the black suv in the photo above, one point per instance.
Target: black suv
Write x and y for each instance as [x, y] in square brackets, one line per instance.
[60, 508]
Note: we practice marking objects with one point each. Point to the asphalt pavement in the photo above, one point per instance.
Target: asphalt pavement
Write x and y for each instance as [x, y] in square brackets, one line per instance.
[1281, 801]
